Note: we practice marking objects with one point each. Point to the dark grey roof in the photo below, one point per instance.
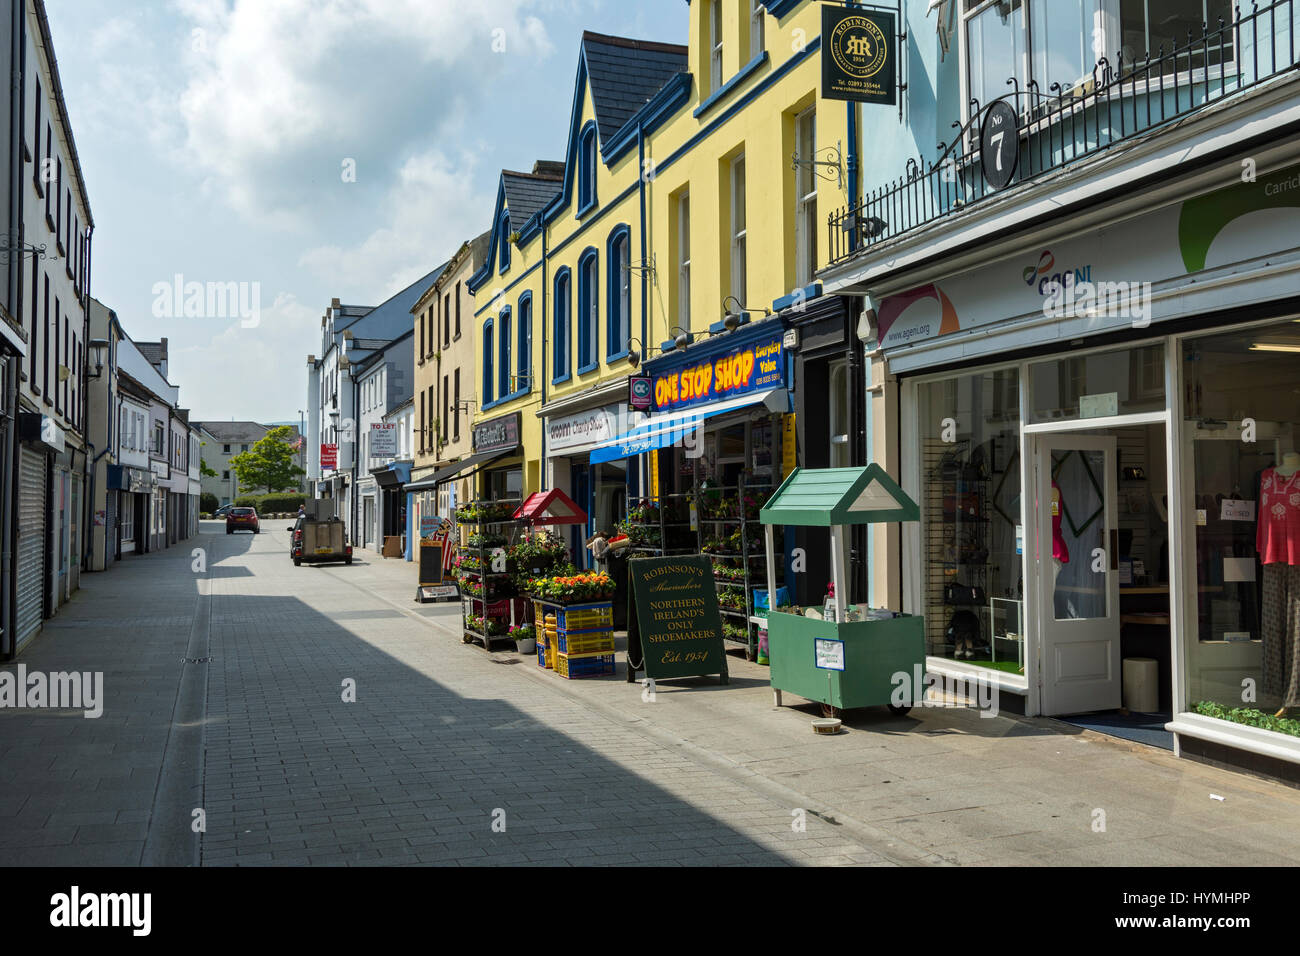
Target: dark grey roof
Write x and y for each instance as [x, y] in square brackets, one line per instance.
[626, 74]
[153, 352]
[390, 320]
[526, 193]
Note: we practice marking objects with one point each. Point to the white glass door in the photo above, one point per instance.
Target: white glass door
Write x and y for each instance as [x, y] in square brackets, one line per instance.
[1078, 572]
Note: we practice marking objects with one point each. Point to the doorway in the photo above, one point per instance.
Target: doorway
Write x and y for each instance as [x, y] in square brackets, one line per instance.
[1101, 541]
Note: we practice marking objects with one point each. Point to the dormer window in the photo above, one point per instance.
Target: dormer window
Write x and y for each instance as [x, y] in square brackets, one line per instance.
[587, 169]
[503, 254]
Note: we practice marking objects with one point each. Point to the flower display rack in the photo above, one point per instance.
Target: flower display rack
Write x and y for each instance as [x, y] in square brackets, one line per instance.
[489, 595]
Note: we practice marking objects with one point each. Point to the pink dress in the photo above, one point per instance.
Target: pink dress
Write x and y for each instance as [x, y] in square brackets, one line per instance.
[1059, 550]
[1277, 531]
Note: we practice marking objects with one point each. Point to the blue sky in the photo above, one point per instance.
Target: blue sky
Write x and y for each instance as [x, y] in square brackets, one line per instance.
[213, 135]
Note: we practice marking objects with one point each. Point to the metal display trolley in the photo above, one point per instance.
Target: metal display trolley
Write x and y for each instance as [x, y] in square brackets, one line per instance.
[488, 605]
[850, 661]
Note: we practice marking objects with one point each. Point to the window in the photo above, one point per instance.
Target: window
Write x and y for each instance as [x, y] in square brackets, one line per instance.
[45, 176]
[446, 401]
[504, 342]
[36, 319]
[524, 351]
[503, 254]
[560, 340]
[446, 321]
[158, 439]
[588, 311]
[457, 310]
[619, 332]
[243, 448]
[739, 262]
[58, 199]
[684, 262]
[455, 413]
[36, 149]
[757, 37]
[806, 202]
[58, 356]
[225, 476]
[587, 169]
[715, 45]
[420, 349]
[488, 382]
[423, 423]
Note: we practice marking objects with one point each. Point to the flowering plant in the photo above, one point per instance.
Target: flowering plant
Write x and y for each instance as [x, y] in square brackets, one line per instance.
[574, 588]
[484, 512]
[522, 632]
[484, 625]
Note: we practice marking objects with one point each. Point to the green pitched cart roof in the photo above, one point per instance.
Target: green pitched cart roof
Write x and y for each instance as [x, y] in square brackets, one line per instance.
[821, 497]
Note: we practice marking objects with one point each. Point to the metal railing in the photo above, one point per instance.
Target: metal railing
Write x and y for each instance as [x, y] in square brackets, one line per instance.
[1118, 102]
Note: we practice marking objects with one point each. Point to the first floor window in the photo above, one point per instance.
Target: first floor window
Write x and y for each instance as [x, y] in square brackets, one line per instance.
[560, 341]
[620, 294]
[523, 354]
[806, 197]
[488, 382]
[588, 312]
[503, 365]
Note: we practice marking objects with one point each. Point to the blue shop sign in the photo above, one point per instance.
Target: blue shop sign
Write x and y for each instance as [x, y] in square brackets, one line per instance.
[753, 367]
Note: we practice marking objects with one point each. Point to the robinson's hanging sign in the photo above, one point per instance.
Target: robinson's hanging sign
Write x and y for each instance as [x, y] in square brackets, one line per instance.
[674, 628]
[859, 55]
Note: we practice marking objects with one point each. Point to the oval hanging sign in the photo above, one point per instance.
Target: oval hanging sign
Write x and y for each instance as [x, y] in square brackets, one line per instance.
[1000, 144]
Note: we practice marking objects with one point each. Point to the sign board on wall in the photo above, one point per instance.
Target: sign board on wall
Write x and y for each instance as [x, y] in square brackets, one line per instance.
[859, 55]
[329, 456]
[498, 434]
[383, 440]
[674, 625]
[757, 366]
[640, 392]
[583, 429]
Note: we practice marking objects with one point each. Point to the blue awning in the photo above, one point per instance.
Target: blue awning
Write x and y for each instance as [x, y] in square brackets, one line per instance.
[669, 428]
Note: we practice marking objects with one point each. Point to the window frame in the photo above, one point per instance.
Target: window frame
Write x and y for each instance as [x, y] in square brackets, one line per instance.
[739, 231]
[684, 261]
[505, 344]
[618, 294]
[588, 301]
[524, 345]
[805, 201]
[489, 380]
[716, 48]
[503, 253]
[757, 28]
[561, 317]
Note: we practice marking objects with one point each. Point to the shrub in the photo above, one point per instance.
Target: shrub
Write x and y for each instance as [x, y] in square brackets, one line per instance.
[208, 502]
[271, 504]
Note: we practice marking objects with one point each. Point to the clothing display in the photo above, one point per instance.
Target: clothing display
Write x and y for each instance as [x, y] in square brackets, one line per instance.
[1277, 536]
[1059, 551]
[1280, 629]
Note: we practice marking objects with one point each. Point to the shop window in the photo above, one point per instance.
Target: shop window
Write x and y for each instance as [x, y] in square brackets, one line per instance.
[588, 311]
[1242, 470]
[1119, 382]
[619, 332]
[971, 519]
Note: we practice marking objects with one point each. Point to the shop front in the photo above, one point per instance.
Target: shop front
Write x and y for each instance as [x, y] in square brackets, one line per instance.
[1103, 437]
[394, 509]
[498, 459]
[129, 491]
[716, 444]
[601, 489]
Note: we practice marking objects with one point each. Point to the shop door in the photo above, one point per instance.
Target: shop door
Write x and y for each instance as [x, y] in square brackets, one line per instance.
[30, 597]
[1078, 573]
[581, 481]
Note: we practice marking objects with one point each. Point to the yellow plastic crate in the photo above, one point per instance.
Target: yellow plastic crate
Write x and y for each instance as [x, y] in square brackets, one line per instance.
[586, 619]
[596, 642]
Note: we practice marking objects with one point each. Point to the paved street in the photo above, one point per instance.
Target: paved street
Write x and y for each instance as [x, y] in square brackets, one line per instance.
[225, 693]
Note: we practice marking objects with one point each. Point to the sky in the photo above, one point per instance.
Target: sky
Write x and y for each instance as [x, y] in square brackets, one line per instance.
[304, 150]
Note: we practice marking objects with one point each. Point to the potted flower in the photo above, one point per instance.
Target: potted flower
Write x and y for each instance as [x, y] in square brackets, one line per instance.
[525, 638]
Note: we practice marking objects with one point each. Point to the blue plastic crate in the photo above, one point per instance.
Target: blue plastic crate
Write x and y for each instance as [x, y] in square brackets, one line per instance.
[574, 667]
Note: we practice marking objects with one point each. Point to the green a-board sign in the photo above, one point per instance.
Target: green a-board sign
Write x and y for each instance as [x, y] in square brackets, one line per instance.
[674, 628]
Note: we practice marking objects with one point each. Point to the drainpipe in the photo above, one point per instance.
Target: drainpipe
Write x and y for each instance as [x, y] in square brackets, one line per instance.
[9, 455]
[10, 452]
[645, 290]
[543, 465]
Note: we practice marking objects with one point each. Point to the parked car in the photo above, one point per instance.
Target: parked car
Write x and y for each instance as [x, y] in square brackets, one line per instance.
[242, 519]
[222, 511]
[319, 541]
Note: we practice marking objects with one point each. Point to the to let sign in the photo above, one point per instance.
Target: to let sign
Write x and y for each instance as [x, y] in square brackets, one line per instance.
[675, 627]
[383, 440]
[329, 456]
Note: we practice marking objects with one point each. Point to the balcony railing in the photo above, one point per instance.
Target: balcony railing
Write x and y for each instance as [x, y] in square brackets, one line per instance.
[1119, 102]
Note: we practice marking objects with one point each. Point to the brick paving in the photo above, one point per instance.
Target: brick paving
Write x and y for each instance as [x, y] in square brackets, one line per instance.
[452, 756]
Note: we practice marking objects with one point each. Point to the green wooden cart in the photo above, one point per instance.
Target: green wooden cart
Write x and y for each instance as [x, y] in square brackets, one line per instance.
[844, 664]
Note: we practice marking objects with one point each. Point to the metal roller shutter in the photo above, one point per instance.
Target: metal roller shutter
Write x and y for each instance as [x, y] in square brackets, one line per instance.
[30, 602]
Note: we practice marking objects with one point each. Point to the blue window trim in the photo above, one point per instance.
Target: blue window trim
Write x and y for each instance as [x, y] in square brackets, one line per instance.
[563, 277]
[489, 380]
[524, 343]
[621, 231]
[503, 253]
[726, 89]
[587, 159]
[588, 272]
[504, 345]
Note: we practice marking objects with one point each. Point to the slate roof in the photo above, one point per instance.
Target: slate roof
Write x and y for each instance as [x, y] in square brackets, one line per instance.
[527, 193]
[153, 352]
[626, 74]
[390, 320]
[234, 431]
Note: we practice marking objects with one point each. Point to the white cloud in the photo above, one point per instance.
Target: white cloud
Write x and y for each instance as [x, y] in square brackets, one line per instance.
[282, 91]
[428, 212]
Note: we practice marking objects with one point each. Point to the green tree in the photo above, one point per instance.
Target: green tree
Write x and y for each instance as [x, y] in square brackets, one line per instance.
[204, 470]
[269, 464]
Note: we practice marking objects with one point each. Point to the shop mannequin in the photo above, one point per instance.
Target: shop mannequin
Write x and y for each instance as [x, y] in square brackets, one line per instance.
[1277, 538]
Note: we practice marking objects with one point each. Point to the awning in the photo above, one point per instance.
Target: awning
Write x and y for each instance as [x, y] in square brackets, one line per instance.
[451, 471]
[391, 476]
[661, 431]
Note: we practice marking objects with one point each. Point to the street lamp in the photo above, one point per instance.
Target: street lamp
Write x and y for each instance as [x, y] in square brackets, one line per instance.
[97, 349]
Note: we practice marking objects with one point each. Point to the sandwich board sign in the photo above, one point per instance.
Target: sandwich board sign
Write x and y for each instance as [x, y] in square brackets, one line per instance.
[674, 627]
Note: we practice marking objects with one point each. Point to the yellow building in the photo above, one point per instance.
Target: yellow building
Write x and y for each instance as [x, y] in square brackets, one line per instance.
[686, 232]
